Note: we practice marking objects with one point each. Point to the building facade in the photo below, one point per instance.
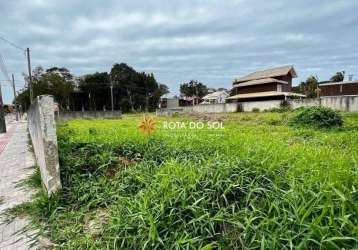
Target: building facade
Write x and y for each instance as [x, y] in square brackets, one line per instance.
[339, 88]
[270, 84]
[215, 97]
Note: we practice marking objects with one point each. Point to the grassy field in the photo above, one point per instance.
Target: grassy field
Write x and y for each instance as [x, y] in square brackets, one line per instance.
[255, 184]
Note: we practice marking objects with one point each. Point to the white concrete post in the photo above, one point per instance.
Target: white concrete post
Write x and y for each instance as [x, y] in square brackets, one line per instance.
[42, 128]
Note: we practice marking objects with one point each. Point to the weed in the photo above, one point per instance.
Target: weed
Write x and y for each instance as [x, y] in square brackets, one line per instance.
[262, 185]
[319, 117]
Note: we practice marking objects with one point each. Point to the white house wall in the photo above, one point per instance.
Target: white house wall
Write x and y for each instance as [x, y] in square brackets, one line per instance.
[340, 103]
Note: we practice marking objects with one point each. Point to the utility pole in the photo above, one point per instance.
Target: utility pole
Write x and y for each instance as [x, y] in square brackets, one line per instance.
[13, 87]
[2, 115]
[112, 95]
[30, 77]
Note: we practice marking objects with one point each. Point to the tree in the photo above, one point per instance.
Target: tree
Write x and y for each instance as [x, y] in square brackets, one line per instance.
[193, 88]
[132, 90]
[309, 87]
[123, 78]
[96, 87]
[158, 93]
[135, 90]
[63, 72]
[59, 87]
[49, 82]
[162, 90]
[338, 77]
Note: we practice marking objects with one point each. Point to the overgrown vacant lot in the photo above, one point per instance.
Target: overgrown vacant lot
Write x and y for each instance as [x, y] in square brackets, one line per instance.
[256, 184]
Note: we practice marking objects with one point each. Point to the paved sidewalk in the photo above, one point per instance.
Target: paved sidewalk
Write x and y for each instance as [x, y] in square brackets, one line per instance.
[5, 138]
[16, 161]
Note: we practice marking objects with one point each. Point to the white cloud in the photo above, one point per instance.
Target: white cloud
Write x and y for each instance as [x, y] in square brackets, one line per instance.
[209, 40]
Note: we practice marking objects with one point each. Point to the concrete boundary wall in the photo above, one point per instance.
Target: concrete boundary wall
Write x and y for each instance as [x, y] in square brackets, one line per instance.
[42, 129]
[340, 103]
[68, 115]
[261, 106]
[213, 108]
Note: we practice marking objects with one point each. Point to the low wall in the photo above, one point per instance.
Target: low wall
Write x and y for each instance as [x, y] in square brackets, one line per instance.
[263, 105]
[309, 102]
[340, 103]
[169, 111]
[42, 129]
[68, 115]
[213, 108]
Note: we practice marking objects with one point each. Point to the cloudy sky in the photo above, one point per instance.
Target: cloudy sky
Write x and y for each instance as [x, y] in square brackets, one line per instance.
[179, 40]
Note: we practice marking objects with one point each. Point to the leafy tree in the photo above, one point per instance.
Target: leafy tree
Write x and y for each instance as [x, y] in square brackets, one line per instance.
[161, 90]
[123, 78]
[135, 90]
[96, 87]
[63, 72]
[23, 99]
[132, 90]
[338, 77]
[193, 88]
[50, 82]
[59, 87]
[308, 88]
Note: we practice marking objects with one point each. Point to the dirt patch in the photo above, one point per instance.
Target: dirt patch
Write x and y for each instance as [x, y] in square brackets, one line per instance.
[123, 163]
[126, 162]
[95, 221]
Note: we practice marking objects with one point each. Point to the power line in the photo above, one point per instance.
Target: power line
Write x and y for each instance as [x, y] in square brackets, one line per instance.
[12, 44]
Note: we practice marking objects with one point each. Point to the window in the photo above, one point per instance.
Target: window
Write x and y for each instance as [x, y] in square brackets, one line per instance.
[341, 88]
[279, 88]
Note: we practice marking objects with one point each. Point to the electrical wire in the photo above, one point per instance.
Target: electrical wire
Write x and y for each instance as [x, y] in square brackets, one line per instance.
[3, 69]
[11, 43]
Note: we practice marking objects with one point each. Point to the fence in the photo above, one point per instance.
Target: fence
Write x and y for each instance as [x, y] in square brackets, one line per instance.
[42, 129]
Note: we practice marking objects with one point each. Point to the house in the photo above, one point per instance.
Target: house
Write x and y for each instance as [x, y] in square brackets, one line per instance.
[166, 102]
[189, 101]
[176, 102]
[339, 88]
[269, 84]
[211, 90]
[215, 97]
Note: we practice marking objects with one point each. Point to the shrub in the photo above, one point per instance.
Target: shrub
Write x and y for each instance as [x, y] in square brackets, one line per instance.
[319, 117]
[255, 110]
[285, 106]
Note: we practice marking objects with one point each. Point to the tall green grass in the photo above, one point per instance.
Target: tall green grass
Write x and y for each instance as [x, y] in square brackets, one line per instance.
[257, 184]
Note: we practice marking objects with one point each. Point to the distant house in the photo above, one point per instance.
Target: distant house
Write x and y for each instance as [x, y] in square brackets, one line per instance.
[211, 90]
[175, 102]
[215, 97]
[270, 84]
[166, 102]
[338, 88]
